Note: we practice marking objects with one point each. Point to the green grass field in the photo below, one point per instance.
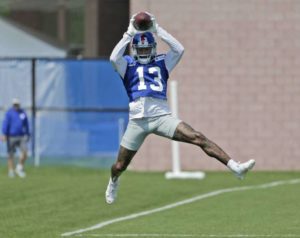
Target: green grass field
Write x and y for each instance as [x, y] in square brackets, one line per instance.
[55, 200]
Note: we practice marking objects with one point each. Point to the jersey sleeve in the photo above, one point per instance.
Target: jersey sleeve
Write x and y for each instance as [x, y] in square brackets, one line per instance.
[5, 124]
[116, 58]
[176, 48]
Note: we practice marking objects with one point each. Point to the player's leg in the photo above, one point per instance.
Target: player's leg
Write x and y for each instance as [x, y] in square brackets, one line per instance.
[133, 138]
[23, 157]
[10, 165]
[175, 129]
[124, 158]
[186, 133]
[10, 157]
[20, 166]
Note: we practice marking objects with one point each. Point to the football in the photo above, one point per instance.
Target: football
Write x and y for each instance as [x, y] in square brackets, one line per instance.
[142, 21]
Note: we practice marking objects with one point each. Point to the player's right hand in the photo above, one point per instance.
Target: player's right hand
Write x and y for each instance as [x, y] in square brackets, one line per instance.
[3, 138]
[131, 30]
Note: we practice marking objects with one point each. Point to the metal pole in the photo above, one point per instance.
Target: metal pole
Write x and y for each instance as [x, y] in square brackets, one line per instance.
[177, 173]
[33, 107]
[175, 144]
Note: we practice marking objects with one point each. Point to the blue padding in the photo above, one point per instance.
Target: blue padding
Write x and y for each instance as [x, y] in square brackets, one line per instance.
[82, 105]
[68, 134]
[88, 84]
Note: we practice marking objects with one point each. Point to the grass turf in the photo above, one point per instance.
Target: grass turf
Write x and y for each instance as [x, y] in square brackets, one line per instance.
[54, 200]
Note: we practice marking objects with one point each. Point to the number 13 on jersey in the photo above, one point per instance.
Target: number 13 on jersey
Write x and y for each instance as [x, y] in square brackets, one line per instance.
[155, 74]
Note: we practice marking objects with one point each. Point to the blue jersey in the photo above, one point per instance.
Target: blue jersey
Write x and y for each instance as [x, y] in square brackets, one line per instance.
[146, 80]
[15, 123]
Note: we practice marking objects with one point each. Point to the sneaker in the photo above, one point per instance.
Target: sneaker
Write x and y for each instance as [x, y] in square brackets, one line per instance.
[111, 191]
[241, 169]
[11, 174]
[20, 171]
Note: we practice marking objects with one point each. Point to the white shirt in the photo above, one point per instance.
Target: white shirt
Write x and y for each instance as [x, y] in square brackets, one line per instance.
[147, 106]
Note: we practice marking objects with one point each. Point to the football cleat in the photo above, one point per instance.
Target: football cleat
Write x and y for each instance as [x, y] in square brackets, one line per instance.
[241, 169]
[111, 191]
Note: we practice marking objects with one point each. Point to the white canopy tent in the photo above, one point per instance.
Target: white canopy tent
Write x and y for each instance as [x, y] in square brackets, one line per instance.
[14, 42]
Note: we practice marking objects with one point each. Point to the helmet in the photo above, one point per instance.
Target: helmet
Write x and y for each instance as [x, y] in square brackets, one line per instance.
[144, 47]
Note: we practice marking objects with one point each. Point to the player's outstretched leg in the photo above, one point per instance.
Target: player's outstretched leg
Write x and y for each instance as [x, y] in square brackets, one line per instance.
[186, 133]
[124, 158]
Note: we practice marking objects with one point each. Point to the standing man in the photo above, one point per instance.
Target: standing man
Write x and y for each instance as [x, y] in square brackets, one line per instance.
[145, 76]
[15, 129]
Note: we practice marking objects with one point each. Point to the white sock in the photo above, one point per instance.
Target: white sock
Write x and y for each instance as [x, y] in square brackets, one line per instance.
[114, 179]
[232, 165]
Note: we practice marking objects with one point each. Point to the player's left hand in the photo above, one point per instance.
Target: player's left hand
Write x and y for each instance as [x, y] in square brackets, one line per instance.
[154, 27]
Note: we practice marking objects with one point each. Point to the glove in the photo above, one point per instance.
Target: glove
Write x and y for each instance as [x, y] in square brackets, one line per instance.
[131, 31]
[154, 27]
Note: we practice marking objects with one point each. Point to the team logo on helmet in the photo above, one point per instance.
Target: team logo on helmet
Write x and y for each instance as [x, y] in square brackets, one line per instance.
[144, 39]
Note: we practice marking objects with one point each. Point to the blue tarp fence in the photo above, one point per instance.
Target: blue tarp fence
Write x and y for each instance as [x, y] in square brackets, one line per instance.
[78, 108]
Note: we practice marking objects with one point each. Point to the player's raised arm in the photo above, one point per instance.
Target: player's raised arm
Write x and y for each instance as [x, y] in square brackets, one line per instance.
[116, 57]
[176, 48]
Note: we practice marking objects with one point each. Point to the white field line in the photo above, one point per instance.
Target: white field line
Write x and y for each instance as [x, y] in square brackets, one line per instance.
[188, 235]
[183, 202]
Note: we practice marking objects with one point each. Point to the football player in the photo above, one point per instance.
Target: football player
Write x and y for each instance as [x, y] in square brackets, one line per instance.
[145, 76]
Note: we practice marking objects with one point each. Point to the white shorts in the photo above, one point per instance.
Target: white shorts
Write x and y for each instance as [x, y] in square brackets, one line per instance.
[138, 129]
